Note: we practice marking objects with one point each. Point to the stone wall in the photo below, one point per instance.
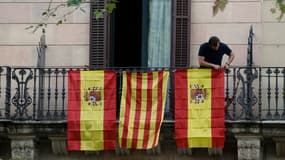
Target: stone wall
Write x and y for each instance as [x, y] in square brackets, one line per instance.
[47, 140]
[68, 42]
[232, 26]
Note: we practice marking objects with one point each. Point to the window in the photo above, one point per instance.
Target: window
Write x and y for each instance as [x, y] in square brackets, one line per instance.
[141, 33]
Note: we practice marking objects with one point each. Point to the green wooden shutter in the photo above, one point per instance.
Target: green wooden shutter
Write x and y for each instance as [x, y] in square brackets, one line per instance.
[99, 37]
[180, 51]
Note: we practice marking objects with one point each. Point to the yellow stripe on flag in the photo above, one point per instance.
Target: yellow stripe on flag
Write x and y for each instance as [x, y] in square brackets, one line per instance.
[132, 109]
[143, 111]
[153, 113]
[92, 116]
[199, 114]
[164, 94]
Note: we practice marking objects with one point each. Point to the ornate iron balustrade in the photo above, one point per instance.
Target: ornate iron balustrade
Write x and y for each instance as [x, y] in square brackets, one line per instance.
[255, 93]
[251, 93]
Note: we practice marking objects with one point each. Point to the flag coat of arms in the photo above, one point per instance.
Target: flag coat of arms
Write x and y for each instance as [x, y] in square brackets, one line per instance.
[199, 108]
[142, 109]
[91, 124]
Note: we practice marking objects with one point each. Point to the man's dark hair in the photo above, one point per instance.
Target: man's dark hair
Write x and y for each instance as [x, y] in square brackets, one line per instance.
[213, 41]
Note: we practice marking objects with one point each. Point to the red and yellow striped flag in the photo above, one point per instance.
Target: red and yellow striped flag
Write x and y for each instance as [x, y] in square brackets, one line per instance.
[142, 109]
[199, 108]
[91, 110]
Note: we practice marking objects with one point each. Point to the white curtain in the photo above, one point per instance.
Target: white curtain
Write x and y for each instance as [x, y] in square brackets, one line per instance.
[159, 33]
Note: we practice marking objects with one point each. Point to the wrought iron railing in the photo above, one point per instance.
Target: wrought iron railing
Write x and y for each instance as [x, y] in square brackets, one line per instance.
[251, 93]
[255, 93]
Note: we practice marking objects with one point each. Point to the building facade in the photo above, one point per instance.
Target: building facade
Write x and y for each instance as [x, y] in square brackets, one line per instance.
[33, 87]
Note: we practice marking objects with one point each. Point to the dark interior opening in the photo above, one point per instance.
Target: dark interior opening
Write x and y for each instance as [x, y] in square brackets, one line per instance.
[127, 33]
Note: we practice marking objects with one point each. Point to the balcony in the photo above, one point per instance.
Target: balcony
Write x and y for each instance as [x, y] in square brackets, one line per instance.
[255, 94]
[33, 104]
[33, 111]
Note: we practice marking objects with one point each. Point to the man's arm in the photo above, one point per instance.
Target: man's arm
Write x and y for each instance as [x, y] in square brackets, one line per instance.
[230, 60]
[203, 63]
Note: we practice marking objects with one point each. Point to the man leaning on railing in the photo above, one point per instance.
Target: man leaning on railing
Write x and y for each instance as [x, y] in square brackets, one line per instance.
[211, 54]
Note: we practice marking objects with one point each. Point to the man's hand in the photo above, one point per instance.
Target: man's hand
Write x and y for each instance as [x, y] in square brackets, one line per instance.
[216, 66]
[203, 63]
[226, 66]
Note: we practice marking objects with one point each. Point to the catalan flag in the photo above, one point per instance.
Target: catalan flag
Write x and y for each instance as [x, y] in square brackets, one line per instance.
[91, 124]
[142, 109]
[199, 108]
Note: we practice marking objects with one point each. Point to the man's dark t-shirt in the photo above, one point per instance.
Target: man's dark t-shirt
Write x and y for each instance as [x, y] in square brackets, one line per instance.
[212, 56]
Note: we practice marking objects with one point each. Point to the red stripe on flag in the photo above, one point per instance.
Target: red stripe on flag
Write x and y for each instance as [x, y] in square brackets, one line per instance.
[148, 109]
[217, 112]
[127, 110]
[109, 110]
[159, 105]
[73, 116]
[181, 108]
[138, 110]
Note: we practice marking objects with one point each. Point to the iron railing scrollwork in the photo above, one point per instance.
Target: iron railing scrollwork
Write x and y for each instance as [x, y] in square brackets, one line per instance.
[22, 99]
[246, 98]
[63, 94]
[263, 100]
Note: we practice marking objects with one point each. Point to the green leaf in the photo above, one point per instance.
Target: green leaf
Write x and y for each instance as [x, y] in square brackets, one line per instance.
[99, 14]
[219, 5]
[110, 6]
[59, 22]
[73, 3]
[281, 7]
[44, 13]
[223, 4]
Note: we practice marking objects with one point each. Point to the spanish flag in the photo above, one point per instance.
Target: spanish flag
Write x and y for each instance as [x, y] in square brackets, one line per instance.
[142, 109]
[91, 124]
[199, 108]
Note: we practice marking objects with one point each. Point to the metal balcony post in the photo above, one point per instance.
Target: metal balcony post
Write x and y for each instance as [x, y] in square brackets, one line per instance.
[8, 93]
[41, 49]
[247, 99]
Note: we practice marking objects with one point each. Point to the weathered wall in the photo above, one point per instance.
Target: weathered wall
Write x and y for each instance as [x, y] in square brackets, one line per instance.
[69, 42]
[273, 44]
[231, 26]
